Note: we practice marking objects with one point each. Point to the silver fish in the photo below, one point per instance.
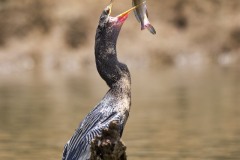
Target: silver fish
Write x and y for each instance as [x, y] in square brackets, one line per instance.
[141, 15]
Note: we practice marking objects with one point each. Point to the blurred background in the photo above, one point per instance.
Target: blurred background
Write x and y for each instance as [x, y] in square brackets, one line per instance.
[185, 79]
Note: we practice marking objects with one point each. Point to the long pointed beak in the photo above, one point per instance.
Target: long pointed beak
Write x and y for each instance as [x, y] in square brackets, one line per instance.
[123, 16]
[110, 7]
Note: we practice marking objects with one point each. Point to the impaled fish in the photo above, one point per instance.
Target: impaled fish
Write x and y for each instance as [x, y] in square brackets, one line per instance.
[141, 15]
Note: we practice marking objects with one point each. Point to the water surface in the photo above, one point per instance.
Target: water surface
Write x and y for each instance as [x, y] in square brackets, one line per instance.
[176, 114]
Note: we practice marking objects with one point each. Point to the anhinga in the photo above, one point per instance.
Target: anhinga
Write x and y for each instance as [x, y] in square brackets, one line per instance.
[115, 105]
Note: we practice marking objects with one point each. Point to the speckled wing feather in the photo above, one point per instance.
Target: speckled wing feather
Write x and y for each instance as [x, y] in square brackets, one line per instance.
[92, 126]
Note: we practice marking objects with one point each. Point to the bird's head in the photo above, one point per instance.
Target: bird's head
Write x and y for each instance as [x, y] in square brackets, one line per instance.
[109, 26]
[107, 20]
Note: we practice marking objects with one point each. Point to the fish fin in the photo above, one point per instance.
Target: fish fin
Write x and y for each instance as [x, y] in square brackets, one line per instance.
[151, 28]
[135, 12]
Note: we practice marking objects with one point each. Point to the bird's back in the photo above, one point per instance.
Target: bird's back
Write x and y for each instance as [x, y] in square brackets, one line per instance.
[78, 147]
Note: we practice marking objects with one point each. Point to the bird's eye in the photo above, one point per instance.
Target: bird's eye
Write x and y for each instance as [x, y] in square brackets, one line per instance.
[108, 11]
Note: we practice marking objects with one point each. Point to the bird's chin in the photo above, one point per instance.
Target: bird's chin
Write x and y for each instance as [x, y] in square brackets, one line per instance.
[122, 19]
[118, 21]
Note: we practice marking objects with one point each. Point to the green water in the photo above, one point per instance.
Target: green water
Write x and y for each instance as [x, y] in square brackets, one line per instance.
[176, 114]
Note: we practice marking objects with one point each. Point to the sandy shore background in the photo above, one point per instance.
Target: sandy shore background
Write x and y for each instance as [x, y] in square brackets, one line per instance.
[58, 35]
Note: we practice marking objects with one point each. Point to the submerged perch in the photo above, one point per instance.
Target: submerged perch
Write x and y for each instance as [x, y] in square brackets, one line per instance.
[108, 146]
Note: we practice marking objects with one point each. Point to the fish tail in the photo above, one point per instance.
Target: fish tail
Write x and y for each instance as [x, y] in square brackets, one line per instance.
[149, 27]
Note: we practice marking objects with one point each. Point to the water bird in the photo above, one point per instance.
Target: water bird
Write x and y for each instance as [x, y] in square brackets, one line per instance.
[141, 15]
[115, 105]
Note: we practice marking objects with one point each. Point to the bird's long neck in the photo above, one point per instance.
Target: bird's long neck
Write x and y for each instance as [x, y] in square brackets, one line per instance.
[115, 74]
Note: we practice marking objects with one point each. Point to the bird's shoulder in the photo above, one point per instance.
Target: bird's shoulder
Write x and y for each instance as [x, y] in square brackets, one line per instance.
[99, 115]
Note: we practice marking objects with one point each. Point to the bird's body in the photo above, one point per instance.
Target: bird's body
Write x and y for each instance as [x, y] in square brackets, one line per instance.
[115, 105]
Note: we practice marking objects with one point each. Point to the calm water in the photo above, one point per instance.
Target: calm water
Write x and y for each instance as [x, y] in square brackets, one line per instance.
[177, 114]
